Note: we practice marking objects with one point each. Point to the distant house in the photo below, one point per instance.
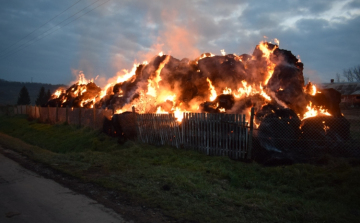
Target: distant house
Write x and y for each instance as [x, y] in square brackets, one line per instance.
[350, 92]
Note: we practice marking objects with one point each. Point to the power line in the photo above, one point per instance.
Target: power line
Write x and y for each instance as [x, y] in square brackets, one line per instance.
[41, 26]
[37, 37]
[18, 48]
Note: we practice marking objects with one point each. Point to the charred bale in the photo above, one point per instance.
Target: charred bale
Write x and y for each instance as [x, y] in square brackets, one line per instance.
[125, 125]
[324, 133]
[223, 70]
[209, 107]
[287, 82]
[225, 101]
[279, 131]
[108, 127]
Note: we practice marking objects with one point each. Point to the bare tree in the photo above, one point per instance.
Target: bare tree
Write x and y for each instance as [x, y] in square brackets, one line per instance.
[348, 74]
[337, 78]
[356, 73]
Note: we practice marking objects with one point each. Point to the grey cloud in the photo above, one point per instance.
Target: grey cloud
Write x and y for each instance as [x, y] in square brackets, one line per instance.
[353, 4]
[310, 25]
[125, 29]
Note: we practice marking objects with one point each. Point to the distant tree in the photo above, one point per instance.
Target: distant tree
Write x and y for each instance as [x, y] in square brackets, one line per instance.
[48, 95]
[356, 73]
[337, 78]
[348, 74]
[352, 74]
[42, 97]
[24, 98]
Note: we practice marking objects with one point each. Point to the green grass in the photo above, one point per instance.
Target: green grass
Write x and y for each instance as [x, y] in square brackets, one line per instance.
[191, 186]
[355, 129]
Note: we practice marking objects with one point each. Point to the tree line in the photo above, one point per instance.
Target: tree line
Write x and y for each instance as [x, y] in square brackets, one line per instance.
[42, 98]
[349, 75]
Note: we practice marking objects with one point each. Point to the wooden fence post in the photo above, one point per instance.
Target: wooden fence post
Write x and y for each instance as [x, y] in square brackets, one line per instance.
[56, 114]
[67, 114]
[48, 113]
[94, 113]
[79, 117]
[250, 133]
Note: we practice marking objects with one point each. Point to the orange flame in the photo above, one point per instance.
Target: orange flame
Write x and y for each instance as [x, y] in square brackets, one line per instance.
[127, 75]
[154, 83]
[263, 46]
[118, 111]
[179, 114]
[213, 94]
[313, 111]
[227, 90]
[159, 110]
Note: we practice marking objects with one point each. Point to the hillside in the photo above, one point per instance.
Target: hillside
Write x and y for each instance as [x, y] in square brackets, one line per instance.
[9, 90]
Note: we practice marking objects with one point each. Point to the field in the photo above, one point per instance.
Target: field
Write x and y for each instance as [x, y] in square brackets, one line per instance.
[188, 186]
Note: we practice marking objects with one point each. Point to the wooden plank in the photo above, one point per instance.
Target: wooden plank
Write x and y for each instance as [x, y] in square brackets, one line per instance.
[250, 133]
[208, 132]
[226, 134]
[202, 134]
[244, 137]
[183, 123]
[198, 132]
[237, 136]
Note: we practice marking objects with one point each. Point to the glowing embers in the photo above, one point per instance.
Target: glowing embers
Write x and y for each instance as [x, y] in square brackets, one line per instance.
[204, 55]
[118, 111]
[222, 110]
[326, 128]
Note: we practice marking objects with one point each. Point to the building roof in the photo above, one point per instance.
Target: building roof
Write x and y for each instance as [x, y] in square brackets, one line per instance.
[356, 93]
[345, 88]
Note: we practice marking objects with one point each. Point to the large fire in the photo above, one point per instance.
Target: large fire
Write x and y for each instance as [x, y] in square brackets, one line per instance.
[210, 83]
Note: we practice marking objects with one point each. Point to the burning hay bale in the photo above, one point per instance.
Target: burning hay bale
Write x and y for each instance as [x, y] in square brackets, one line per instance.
[210, 83]
[78, 95]
[271, 80]
[329, 99]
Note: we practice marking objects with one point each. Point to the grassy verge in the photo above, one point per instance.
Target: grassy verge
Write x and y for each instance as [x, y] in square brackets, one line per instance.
[191, 186]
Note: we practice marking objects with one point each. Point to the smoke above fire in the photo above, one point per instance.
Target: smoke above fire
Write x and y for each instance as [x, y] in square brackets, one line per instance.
[228, 83]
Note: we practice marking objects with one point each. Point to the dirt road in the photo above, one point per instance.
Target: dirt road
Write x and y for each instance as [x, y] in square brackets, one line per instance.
[28, 197]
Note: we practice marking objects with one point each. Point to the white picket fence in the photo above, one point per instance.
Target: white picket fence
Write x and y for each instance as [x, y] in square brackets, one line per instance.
[213, 134]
